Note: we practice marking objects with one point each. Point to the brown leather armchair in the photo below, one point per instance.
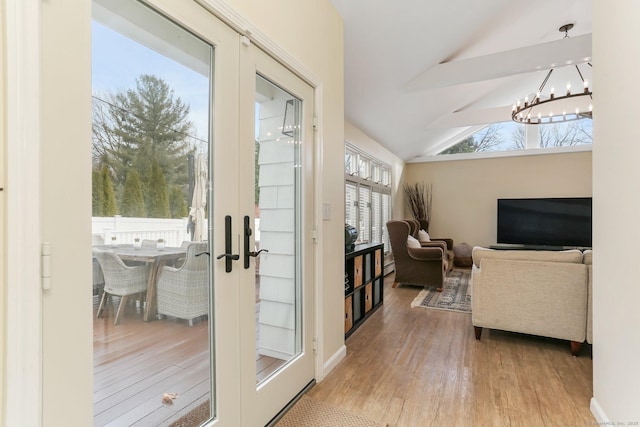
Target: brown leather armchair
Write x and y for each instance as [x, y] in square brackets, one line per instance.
[445, 243]
[423, 266]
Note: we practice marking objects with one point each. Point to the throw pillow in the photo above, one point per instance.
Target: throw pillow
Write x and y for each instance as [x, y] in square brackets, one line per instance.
[423, 236]
[412, 242]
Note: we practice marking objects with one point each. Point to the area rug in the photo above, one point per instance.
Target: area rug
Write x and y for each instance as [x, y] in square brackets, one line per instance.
[455, 295]
[308, 412]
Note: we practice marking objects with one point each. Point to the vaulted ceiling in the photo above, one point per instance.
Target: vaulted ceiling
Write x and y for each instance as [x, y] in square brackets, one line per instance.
[422, 75]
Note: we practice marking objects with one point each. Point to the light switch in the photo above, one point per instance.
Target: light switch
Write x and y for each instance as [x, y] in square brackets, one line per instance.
[326, 211]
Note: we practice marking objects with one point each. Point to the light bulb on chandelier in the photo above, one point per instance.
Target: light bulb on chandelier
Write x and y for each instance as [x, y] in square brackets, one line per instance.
[540, 109]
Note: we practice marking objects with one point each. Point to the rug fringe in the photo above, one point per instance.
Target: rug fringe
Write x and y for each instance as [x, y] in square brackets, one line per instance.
[418, 300]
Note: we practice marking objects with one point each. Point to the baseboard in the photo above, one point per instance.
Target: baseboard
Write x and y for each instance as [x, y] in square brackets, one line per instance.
[334, 360]
[598, 413]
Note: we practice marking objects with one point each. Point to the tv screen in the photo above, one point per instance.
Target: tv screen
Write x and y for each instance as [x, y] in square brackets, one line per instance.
[545, 222]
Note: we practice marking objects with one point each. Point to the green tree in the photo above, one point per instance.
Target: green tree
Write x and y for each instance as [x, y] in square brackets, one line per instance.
[485, 140]
[109, 196]
[157, 199]
[97, 193]
[177, 203]
[465, 146]
[132, 128]
[132, 203]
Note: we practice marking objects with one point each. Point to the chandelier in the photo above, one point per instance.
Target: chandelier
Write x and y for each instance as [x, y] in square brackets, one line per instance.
[553, 108]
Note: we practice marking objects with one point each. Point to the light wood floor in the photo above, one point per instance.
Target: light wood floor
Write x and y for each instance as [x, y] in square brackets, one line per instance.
[420, 367]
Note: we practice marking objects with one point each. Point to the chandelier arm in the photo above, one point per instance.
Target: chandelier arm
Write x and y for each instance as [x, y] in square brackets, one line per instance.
[544, 82]
[579, 73]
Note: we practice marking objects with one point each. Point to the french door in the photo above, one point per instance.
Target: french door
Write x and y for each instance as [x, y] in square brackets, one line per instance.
[254, 119]
[276, 182]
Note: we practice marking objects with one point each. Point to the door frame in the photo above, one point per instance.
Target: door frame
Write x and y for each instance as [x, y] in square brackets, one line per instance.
[22, 333]
[22, 341]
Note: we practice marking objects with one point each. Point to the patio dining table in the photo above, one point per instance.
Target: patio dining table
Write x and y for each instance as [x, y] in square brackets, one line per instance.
[151, 255]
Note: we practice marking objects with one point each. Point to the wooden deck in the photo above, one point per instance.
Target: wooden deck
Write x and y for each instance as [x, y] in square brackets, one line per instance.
[136, 362]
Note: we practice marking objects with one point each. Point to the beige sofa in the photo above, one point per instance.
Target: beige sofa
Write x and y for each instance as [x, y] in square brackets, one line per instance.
[587, 259]
[541, 293]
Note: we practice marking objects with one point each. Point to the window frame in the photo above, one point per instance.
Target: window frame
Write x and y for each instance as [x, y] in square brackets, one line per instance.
[383, 173]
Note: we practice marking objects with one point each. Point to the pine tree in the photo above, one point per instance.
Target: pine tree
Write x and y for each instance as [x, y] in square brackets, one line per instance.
[132, 204]
[97, 193]
[138, 125]
[157, 199]
[109, 201]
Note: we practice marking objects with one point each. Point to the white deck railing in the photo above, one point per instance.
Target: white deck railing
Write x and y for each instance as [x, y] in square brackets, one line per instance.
[122, 230]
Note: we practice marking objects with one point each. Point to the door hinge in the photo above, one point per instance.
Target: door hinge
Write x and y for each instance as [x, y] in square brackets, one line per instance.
[314, 235]
[315, 123]
[45, 266]
[315, 344]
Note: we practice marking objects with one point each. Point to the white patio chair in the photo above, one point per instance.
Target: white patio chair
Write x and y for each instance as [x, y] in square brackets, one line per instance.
[120, 279]
[98, 277]
[183, 292]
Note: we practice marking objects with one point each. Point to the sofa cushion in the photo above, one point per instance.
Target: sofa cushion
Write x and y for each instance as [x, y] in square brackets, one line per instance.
[587, 257]
[569, 256]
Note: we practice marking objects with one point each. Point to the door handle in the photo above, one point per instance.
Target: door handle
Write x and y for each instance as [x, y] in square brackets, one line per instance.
[228, 255]
[247, 241]
[257, 254]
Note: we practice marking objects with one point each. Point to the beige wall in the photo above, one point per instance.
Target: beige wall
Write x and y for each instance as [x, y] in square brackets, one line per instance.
[311, 31]
[616, 190]
[465, 191]
[3, 245]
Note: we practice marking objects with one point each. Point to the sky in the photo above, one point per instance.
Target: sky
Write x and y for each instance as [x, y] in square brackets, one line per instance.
[117, 61]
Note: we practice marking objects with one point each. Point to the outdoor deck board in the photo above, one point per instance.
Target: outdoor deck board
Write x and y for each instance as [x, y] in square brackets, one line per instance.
[136, 362]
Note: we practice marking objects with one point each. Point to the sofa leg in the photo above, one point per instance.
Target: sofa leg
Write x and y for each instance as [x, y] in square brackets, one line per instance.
[575, 347]
[478, 331]
[395, 285]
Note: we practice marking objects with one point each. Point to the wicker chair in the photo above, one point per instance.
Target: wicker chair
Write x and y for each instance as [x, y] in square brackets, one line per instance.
[98, 277]
[120, 279]
[184, 292]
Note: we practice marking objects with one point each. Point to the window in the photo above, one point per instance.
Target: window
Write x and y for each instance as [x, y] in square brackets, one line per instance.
[367, 196]
[509, 136]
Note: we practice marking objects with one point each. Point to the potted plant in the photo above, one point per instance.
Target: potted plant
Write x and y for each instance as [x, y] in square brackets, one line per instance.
[418, 197]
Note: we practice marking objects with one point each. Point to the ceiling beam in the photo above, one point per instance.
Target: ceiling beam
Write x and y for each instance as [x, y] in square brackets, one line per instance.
[473, 118]
[544, 56]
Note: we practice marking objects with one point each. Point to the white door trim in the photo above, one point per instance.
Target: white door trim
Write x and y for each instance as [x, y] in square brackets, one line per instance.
[23, 339]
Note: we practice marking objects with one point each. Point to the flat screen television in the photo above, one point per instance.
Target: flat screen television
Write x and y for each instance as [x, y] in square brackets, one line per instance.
[545, 221]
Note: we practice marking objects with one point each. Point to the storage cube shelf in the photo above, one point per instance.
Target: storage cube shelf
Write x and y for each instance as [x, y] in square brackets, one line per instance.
[363, 287]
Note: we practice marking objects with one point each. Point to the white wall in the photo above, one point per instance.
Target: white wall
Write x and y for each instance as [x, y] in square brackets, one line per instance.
[465, 191]
[3, 246]
[616, 192]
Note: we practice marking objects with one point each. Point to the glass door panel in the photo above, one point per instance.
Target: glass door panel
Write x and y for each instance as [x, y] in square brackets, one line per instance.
[276, 288]
[277, 225]
[153, 282]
